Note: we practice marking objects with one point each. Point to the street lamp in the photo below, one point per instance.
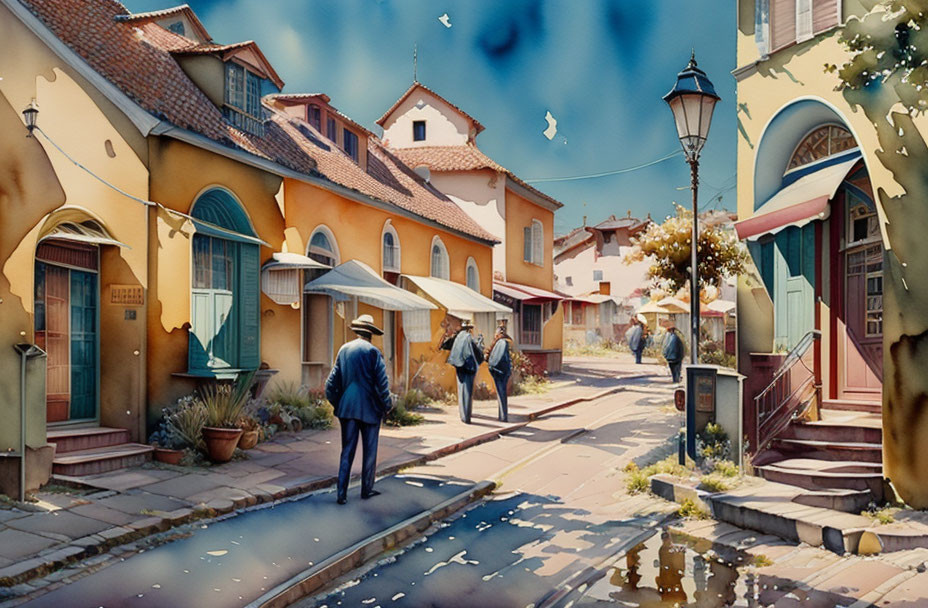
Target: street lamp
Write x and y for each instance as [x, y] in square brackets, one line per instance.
[30, 114]
[692, 101]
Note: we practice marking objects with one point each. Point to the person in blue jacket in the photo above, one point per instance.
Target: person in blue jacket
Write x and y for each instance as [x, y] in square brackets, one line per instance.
[500, 363]
[359, 390]
[466, 356]
[673, 352]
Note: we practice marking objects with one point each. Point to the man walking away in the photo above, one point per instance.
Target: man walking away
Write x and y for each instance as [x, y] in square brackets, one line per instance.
[635, 338]
[359, 390]
[466, 356]
[500, 364]
[674, 352]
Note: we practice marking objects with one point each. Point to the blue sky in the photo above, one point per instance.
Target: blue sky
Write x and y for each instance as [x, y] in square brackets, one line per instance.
[600, 68]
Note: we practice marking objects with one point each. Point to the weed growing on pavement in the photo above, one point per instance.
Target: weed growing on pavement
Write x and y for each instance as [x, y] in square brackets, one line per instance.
[726, 468]
[638, 479]
[637, 482]
[690, 510]
[762, 561]
[882, 516]
[714, 483]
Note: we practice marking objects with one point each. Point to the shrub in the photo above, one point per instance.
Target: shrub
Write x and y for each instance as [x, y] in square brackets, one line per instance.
[689, 509]
[713, 443]
[185, 422]
[637, 482]
[726, 468]
[290, 402]
[531, 385]
[399, 416]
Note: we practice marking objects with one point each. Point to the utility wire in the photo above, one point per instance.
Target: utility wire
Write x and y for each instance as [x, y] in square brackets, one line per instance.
[605, 173]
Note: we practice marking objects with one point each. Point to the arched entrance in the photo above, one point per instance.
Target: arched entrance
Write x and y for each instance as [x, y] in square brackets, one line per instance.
[67, 316]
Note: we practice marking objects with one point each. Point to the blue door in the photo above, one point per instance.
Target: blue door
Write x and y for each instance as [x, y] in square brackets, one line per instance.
[83, 345]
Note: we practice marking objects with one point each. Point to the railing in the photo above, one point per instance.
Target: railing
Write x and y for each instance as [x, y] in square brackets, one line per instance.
[792, 390]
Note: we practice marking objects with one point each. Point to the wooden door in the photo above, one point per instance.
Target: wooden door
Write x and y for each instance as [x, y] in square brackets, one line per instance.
[860, 335]
[52, 291]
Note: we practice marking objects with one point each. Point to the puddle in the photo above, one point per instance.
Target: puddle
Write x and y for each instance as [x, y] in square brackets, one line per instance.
[666, 571]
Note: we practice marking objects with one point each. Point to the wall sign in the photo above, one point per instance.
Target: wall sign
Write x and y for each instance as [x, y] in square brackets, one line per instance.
[127, 295]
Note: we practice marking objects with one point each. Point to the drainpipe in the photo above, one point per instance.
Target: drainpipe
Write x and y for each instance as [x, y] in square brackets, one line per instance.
[26, 352]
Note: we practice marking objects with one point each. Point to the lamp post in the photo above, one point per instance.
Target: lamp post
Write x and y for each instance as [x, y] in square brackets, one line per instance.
[30, 114]
[692, 101]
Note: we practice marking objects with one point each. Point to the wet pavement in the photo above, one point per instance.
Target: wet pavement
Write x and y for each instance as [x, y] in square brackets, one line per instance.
[233, 561]
[494, 555]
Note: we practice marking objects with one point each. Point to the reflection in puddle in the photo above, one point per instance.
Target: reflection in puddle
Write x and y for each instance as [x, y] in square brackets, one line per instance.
[660, 573]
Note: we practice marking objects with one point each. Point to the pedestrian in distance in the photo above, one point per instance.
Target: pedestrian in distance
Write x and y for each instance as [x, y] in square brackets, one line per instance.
[635, 338]
[466, 356]
[359, 390]
[674, 351]
[499, 361]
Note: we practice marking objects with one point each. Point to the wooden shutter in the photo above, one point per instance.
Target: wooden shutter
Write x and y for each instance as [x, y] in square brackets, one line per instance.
[527, 244]
[762, 26]
[825, 15]
[803, 20]
[201, 330]
[538, 243]
[782, 23]
[249, 307]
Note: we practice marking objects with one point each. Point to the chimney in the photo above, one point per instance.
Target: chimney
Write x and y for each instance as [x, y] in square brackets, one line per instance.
[584, 221]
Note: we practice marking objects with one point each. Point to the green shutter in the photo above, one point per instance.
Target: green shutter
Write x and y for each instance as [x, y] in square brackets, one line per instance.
[527, 244]
[201, 330]
[249, 307]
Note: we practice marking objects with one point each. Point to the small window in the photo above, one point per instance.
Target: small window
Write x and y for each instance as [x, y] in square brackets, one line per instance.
[569, 281]
[350, 144]
[331, 129]
[533, 243]
[440, 267]
[473, 275]
[598, 274]
[531, 324]
[314, 117]
[243, 99]
[178, 28]
[821, 143]
[322, 248]
[391, 249]
[418, 130]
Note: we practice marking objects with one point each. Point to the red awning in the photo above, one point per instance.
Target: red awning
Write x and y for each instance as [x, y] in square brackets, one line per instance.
[799, 203]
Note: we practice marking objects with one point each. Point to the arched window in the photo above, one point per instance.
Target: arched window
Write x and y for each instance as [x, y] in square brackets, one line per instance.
[440, 267]
[821, 143]
[322, 246]
[224, 302]
[473, 275]
[391, 248]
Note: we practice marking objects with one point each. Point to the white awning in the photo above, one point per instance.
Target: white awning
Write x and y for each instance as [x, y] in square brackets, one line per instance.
[459, 300]
[355, 279]
[283, 259]
[799, 203]
[84, 232]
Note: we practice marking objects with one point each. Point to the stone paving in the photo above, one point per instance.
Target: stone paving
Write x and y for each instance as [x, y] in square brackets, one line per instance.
[122, 506]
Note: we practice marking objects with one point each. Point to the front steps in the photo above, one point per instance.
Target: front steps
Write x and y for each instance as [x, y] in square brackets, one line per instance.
[92, 450]
[837, 461]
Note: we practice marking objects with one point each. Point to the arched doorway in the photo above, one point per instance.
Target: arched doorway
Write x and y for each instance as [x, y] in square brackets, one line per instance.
[67, 317]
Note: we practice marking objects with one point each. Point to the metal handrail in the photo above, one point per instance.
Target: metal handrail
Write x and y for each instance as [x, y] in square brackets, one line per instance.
[786, 392]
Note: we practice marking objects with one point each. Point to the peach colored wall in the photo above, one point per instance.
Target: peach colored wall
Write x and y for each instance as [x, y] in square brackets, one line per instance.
[519, 214]
[444, 126]
[176, 187]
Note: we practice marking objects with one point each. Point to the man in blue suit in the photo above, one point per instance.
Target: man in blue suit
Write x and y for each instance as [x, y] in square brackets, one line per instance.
[359, 390]
[500, 363]
[466, 356]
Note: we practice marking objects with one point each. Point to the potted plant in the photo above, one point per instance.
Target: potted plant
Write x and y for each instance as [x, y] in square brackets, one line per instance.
[250, 433]
[225, 404]
[168, 447]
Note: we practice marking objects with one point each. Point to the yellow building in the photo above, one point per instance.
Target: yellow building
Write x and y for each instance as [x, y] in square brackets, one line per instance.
[438, 140]
[135, 222]
[821, 204]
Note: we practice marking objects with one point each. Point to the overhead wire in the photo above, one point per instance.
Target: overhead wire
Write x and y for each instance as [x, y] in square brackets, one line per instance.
[568, 178]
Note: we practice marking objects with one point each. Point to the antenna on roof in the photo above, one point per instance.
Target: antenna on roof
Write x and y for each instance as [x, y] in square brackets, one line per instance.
[415, 62]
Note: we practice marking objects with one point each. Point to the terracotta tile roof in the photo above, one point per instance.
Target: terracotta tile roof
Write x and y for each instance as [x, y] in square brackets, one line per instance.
[297, 97]
[465, 157]
[418, 85]
[134, 55]
[227, 50]
[387, 179]
[183, 9]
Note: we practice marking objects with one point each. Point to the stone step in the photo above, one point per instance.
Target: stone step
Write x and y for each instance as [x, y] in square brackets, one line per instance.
[853, 405]
[834, 431]
[831, 450]
[847, 501]
[86, 438]
[813, 474]
[102, 459]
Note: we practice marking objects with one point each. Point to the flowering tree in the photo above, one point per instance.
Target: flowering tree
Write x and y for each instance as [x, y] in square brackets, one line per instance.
[667, 245]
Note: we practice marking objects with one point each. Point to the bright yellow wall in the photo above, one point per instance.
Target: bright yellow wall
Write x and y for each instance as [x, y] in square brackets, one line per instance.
[519, 214]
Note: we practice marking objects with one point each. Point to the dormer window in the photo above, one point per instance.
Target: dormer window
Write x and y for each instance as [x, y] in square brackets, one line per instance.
[314, 116]
[243, 99]
[178, 28]
[350, 144]
[331, 129]
[418, 130]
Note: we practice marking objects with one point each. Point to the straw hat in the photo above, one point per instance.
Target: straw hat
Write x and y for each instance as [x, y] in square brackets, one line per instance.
[365, 324]
[467, 324]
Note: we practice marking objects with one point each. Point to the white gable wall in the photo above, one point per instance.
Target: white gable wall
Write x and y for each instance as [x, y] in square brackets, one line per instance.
[444, 126]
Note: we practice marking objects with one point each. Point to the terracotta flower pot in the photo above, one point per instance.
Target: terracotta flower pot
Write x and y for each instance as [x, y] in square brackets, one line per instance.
[296, 425]
[220, 443]
[168, 456]
[248, 440]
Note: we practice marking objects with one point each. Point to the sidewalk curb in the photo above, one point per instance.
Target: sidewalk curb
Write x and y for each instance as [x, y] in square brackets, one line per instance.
[96, 544]
[315, 578]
